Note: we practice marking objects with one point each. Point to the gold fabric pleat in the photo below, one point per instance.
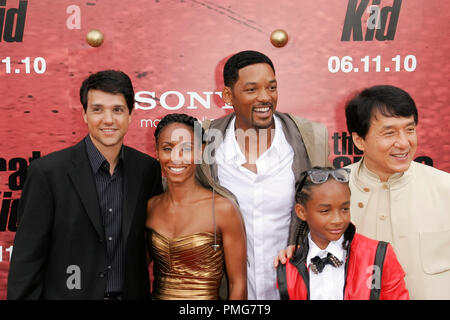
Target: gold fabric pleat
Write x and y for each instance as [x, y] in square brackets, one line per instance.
[186, 267]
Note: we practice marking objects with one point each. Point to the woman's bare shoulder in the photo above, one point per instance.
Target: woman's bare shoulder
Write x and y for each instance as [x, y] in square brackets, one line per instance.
[225, 207]
[154, 202]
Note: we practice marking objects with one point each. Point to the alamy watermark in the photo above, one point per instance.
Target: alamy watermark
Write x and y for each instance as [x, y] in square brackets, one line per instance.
[74, 279]
[374, 280]
[254, 141]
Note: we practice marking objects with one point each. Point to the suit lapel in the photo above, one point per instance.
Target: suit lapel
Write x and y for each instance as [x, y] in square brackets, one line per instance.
[81, 174]
[132, 174]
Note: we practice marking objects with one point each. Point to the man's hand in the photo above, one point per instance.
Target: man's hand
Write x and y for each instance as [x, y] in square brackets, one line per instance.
[284, 255]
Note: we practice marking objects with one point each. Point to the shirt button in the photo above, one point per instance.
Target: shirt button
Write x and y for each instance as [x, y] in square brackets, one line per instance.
[383, 217]
[366, 189]
[360, 204]
[385, 186]
[101, 274]
[110, 238]
[109, 267]
[110, 209]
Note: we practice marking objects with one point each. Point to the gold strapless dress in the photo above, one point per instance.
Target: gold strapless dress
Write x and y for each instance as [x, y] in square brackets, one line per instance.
[186, 267]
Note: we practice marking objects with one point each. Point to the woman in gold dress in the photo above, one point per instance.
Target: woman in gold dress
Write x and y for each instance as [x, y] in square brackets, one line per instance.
[193, 233]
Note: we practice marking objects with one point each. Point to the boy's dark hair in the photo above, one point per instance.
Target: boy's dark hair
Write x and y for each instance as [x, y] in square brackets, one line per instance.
[390, 101]
[111, 81]
[241, 60]
[302, 196]
[179, 118]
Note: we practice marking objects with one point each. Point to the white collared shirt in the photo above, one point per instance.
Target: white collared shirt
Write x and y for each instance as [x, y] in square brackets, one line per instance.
[329, 284]
[266, 199]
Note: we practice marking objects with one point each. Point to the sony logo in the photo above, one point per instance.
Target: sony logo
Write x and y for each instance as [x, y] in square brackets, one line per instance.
[175, 100]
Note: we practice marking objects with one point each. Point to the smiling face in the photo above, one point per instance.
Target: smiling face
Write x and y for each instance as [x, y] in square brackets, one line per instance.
[107, 117]
[327, 211]
[254, 97]
[175, 150]
[389, 146]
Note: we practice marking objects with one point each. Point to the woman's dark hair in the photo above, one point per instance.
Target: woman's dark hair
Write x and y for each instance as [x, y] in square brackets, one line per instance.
[111, 81]
[183, 119]
[390, 101]
[302, 196]
[241, 60]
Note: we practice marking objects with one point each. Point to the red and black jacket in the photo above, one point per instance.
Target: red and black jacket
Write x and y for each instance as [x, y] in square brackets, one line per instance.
[362, 253]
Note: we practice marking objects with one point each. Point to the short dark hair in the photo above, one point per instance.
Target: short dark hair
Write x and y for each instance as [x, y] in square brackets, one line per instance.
[390, 101]
[239, 61]
[179, 118]
[111, 81]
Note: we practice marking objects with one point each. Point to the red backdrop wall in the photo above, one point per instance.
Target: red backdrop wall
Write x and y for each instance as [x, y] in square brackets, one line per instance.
[174, 51]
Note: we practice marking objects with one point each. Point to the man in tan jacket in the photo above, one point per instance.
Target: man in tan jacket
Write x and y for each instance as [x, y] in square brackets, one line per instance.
[395, 199]
[255, 156]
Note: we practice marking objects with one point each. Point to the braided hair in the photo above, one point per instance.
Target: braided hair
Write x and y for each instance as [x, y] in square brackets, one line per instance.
[302, 196]
[179, 118]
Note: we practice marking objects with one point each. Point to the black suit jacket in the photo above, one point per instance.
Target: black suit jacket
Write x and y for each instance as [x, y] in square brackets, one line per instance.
[60, 237]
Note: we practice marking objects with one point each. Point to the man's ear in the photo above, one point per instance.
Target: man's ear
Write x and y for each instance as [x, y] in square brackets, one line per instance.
[227, 95]
[300, 210]
[84, 116]
[131, 115]
[358, 141]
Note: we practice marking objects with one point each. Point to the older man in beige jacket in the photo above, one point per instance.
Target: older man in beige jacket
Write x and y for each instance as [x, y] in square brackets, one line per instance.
[395, 199]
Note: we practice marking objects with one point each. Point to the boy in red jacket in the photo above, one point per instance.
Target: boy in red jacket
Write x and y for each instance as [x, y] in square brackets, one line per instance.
[333, 262]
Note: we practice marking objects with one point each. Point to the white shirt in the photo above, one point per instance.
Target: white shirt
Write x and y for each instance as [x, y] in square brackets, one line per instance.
[266, 199]
[329, 284]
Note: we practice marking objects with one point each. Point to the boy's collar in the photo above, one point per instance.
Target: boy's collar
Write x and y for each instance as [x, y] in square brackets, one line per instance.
[334, 247]
[302, 253]
[349, 234]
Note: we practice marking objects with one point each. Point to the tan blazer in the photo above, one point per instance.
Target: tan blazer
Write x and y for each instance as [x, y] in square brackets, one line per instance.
[420, 224]
[308, 139]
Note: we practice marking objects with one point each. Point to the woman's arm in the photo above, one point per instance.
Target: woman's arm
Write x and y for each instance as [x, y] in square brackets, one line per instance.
[149, 224]
[231, 225]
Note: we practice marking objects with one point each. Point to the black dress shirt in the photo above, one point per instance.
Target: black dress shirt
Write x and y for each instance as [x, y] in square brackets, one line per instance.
[110, 198]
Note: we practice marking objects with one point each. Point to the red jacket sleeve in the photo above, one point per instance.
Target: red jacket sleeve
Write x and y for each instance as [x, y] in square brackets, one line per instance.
[393, 285]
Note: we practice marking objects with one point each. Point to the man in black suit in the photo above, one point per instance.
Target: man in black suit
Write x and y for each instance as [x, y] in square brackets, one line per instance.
[81, 218]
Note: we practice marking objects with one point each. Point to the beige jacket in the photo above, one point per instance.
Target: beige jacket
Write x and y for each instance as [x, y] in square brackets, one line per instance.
[420, 224]
[315, 144]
